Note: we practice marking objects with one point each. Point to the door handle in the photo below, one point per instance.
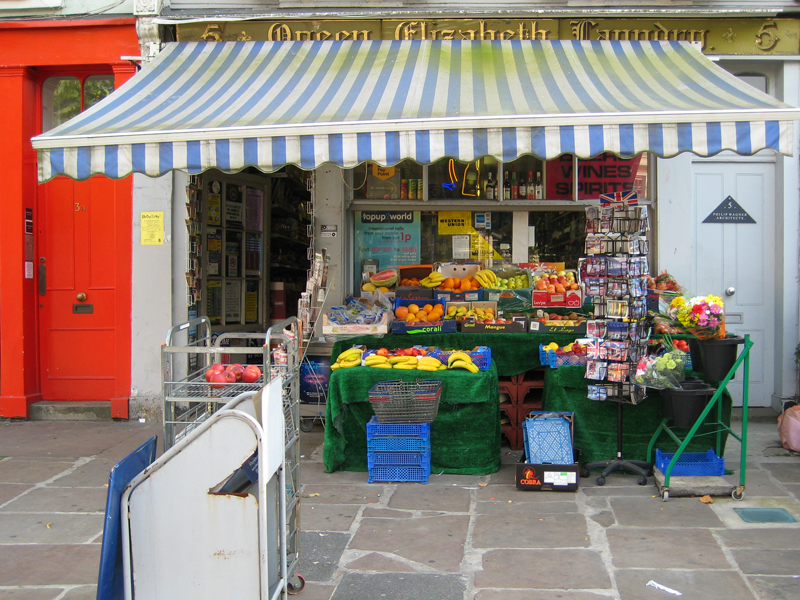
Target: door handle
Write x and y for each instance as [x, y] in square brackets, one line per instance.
[81, 297]
[42, 277]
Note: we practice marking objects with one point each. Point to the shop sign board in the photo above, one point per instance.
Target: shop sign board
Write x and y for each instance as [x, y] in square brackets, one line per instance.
[604, 174]
[390, 237]
[730, 211]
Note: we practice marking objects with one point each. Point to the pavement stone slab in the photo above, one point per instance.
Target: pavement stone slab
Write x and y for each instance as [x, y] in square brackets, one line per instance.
[29, 593]
[344, 494]
[776, 588]
[524, 529]
[400, 586]
[49, 528]
[604, 491]
[604, 518]
[317, 591]
[504, 493]
[46, 564]
[320, 554]
[9, 491]
[498, 506]
[314, 473]
[693, 585]
[374, 561]
[665, 548]
[758, 482]
[652, 512]
[37, 470]
[767, 538]
[794, 489]
[538, 595]
[550, 569]
[83, 592]
[444, 498]
[55, 499]
[437, 542]
[784, 471]
[764, 561]
[388, 513]
[94, 473]
[327, 517]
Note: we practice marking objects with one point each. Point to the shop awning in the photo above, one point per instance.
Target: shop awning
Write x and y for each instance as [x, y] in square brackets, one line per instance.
[230, 105]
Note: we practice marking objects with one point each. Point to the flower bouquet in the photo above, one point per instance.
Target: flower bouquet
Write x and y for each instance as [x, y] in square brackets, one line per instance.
[662, 371]
[703, 316]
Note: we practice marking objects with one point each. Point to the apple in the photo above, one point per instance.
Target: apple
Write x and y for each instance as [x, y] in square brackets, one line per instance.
[382, 352]
[218, 380]
[237, 370]
[251, 374]
[215, 368]
[230, 376]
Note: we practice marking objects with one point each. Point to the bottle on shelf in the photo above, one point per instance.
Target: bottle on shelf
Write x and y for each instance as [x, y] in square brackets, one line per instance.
[531, 187]
[514, 185]
[538, 188]
[506, 187]
[523, 190]
[489, 187]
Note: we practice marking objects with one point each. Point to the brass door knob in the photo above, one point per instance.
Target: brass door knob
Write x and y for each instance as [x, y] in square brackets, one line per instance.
[81, 297]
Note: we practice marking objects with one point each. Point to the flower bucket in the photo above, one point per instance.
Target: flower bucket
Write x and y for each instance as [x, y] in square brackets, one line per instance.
[694, 352]
[684, 406]
[718, 356]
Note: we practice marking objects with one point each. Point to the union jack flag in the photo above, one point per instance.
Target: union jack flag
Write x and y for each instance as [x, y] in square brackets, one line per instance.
[594, 348]
[630, 198]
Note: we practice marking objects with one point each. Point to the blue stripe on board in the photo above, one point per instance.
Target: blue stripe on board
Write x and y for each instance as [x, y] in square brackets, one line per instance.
[398, 102]
[278, 152]
[336, 148]
[452, 103]
[684, 137]
[84, 163]
[422, 144]
[451, 143]
[627, 143]
[597, 140]
[509, 148]
[575, 82]
[427, 97]
[599, 78]
[222, 152]
[308, 160]
[193, 157]
[342, 84]
[57, 161]
[567, 137]
[523, 76]
[713, 138]
[772, 134]
[552, 86]
[393, 153]
[655, 138]
[628, 61]
[743, 139]
[480, 142]
[363, 146]
[250, 146]
[111, 161]
[357, 79]
[165, 162]
[381, 82]
[138, 158]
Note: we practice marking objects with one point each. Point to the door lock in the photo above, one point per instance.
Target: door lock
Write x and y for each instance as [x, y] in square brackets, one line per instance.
[81, 297]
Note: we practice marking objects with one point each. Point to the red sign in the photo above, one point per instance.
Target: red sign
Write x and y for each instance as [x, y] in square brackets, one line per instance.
[604, 174]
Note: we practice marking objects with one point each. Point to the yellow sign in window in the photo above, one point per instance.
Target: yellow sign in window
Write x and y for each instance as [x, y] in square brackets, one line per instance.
[152, 228]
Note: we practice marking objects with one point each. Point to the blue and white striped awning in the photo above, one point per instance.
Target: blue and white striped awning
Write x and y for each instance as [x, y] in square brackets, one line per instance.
[231, 105]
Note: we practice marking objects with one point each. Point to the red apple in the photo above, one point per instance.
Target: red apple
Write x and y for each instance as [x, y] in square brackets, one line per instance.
[237, 370]
[230, 376]
[251, 374]
[218, 380]
[382, 352]
[215, 368]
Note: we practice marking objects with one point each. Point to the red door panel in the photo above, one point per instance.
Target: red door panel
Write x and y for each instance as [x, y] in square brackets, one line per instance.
[83, 355]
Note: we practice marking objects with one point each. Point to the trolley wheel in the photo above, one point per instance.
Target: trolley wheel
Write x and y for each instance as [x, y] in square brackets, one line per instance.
[295, 588]
[664, 495]
[306, 425]
[601, 480]
[738, 494]
[585, 473]
[641, 480]
[650, 472]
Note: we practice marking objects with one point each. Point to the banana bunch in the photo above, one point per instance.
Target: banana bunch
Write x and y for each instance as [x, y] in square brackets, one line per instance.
[377, 361]
[348, 358]
[429, 363]
[486, 278]
[433, 280]
[456, 312]
[403, 363]
[461, 360]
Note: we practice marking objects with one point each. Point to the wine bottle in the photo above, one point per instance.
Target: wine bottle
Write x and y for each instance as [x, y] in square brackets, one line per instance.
[489, 187]
[514, 185]
[506, 188]
[539, 189]
[523, 191]
[531, 188]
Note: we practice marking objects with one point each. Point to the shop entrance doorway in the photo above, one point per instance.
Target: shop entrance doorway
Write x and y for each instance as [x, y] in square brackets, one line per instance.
[735, 260]
[83, 290]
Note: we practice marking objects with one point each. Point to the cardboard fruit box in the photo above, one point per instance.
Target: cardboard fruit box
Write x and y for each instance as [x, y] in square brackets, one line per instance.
[416, 291]
[460, 271]
[570, 299]
[518, 324]
[443, 326]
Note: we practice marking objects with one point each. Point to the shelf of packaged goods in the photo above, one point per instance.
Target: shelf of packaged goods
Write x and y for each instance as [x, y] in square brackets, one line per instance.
[299, 243]
[287, 267]
[286, 211]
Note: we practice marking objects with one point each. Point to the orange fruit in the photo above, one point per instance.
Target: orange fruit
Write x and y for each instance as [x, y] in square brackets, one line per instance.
[401, 312]
[413, 309]
[559, 288]
[427, 308]
[410, 318]
[456, 282]
[422, 315]
[447, 283]
[467, 279]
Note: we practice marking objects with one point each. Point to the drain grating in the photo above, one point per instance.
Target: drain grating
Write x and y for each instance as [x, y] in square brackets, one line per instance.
[765, 515]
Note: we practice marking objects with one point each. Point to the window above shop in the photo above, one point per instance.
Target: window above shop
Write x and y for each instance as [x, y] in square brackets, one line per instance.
[65, 96]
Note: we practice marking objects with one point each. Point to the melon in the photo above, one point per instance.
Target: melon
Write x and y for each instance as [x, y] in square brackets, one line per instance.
[385, 278]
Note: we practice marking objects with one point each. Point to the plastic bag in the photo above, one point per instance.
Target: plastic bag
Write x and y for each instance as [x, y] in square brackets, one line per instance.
[663, 371]
[789, 428]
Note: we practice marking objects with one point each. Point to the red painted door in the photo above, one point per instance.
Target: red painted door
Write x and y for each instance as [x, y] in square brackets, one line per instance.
[84, 290]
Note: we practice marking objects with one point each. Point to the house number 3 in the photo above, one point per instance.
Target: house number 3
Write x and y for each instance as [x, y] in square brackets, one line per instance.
[79, 207]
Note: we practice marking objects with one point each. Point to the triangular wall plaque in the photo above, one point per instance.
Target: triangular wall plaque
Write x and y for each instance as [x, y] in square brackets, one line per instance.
[729, 212]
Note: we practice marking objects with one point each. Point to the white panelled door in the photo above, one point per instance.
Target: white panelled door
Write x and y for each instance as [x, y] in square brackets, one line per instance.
[734, 260]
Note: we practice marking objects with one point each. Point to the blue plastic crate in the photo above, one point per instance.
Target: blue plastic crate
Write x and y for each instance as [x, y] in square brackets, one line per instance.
[548, 440]
[398, 444]
[549, 358]
[418, 430]
[481, 356]
[692, 463]
[400, 474]
[399, 459]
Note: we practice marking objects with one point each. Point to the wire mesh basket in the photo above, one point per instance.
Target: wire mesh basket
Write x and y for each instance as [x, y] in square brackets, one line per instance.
[406, 401]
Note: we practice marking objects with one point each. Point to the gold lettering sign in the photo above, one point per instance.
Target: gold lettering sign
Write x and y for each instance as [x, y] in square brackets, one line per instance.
[716, 36]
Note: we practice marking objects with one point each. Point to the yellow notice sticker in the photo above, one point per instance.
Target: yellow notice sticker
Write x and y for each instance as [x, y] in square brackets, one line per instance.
[383, 173]
[152, 228]
[455, 222]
